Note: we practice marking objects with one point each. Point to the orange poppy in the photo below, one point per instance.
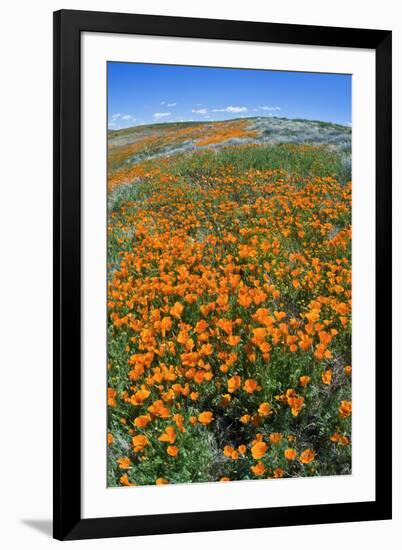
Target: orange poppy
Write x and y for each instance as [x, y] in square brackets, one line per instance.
[307, 456]
[250, 385]
[172, 450]
[259, 449]
[290, 454]
[142, 421]
[275, 438]
[205, 417]
[125, 481]
[234, 383]
[139, 443]
[326, 377]
[161, 481]
[265, 409]
[169, 435]
[258, 469]
[304, 380]
[124, 463]
[345, 409]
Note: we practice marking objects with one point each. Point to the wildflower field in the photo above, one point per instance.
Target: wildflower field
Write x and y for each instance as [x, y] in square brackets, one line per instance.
[229, 301]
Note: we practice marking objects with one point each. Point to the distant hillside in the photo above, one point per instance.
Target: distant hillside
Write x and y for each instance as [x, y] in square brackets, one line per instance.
[130, 145]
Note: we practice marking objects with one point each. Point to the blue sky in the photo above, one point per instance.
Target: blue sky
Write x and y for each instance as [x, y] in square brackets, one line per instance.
[141, 93]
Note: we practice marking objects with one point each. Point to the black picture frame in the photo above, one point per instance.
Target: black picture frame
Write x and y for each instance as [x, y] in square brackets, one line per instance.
[68, 26]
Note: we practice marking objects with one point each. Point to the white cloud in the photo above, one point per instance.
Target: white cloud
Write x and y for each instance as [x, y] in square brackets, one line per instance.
[207, 116]
[128, 117]
[157, 116]
[198, 104]
[116, 116]
[269, 108]
[171, 104]
[199, 111]
[231, 109]
[163, 102]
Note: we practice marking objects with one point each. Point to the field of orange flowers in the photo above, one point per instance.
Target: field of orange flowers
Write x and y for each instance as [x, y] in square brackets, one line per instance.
[229, 315]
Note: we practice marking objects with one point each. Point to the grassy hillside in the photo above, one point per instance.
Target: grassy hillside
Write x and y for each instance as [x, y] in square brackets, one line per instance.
[131, 146]
[229, 301]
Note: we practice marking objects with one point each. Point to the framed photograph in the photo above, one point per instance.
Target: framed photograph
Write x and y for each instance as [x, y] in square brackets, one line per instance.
[222, 274]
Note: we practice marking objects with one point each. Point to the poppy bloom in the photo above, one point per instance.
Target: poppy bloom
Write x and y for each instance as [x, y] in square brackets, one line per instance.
[111, 397]
[124, 463]
[166, 325]
[234, 340]
[172, 450]
[201, 326]
[205, 417]
[158, 408]
[139, 443]
[169, 435]
[307, 456]
[234, 383]
[222, 300]
[228, 450]
[275, 438]
[250, 385]
[142, 421]
[265, 409]
[345, 409]
[259, 335]
[177, 310]
[125, 481]
[290, 454]
[259, 449]
[325, 338]
[161, 481]
[304, 380]
[279, 315]
[295, 404]
[326, 377]
[305, 341]
[258, 469]
[178, 418]
[109, 438]
[140, 396]
[206, 349]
